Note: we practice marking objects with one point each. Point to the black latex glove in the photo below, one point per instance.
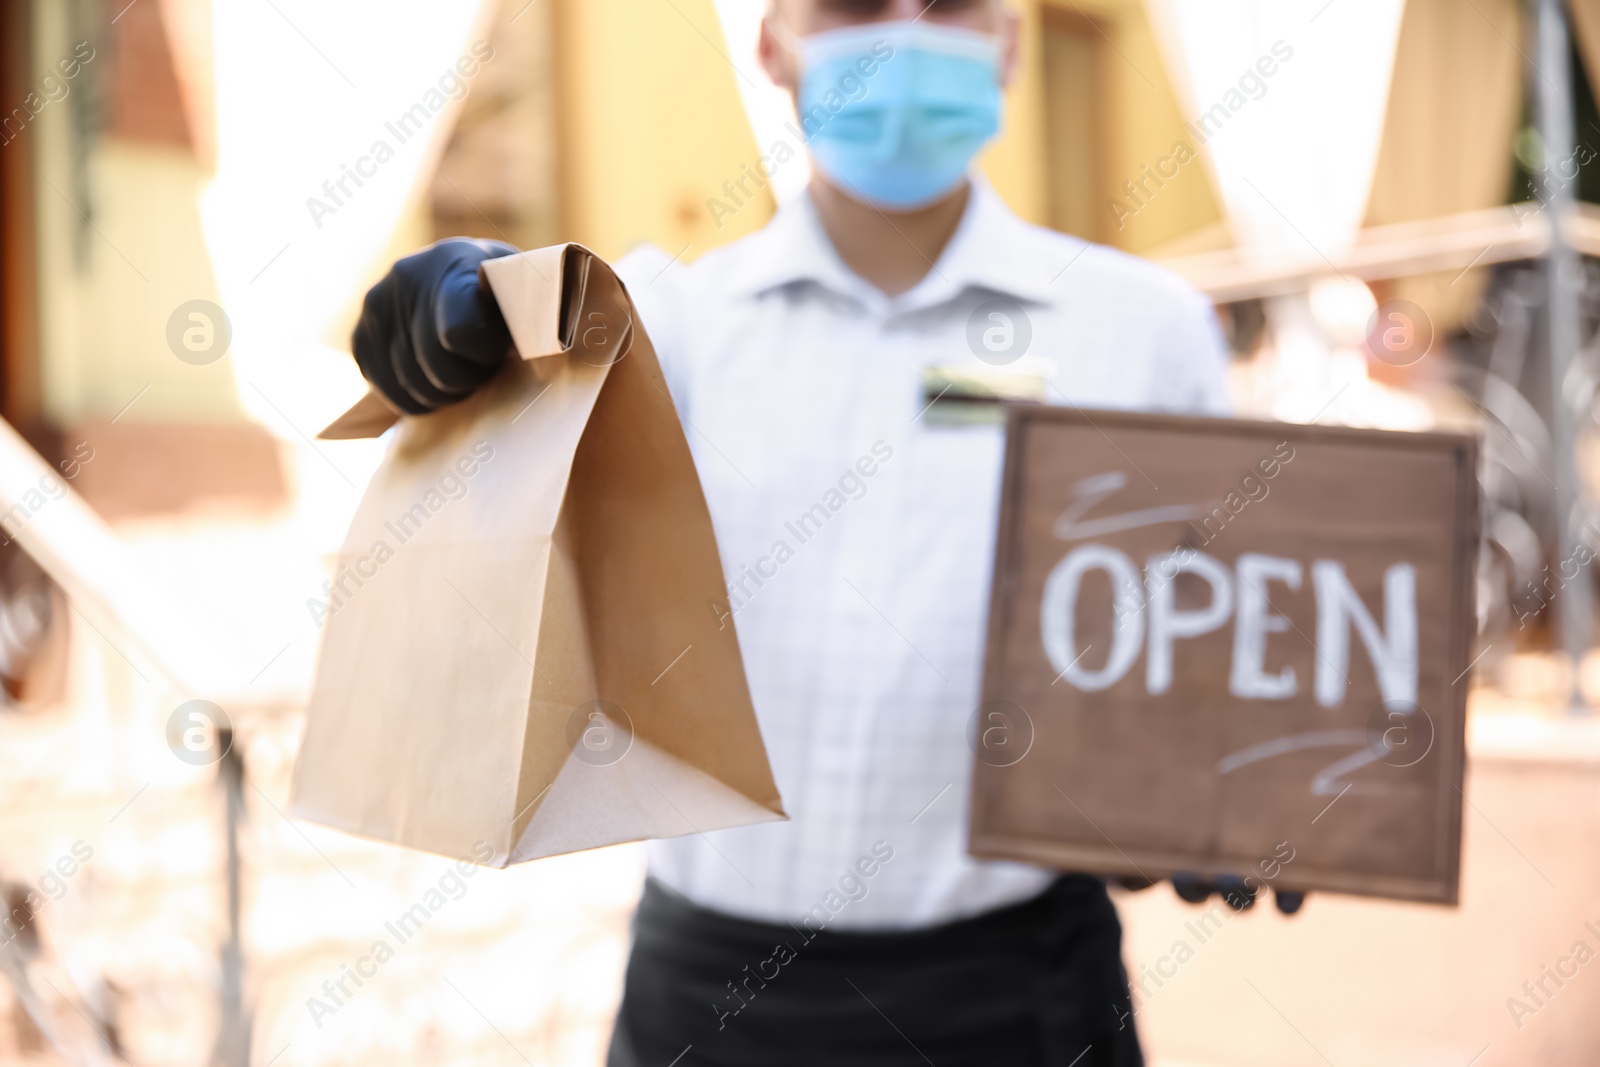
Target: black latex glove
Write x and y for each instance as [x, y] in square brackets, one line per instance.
[1288, 900]
[429, 334]
[1235, 892]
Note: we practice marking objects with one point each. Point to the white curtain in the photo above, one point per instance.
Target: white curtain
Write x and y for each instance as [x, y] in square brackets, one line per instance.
[1286, 102]
[308, 93]
[1293, 151]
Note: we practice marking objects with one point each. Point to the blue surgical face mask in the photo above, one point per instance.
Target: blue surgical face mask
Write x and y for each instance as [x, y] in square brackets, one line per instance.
[895, 111]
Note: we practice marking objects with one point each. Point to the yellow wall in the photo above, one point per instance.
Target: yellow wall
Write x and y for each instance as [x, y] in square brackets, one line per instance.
[650, 126]
[1142, 119]
[1015, 162]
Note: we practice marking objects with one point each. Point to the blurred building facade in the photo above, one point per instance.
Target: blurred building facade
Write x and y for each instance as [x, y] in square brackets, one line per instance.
[192, 496]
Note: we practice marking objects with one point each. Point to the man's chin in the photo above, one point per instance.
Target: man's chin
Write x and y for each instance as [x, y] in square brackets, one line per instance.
[834, 187]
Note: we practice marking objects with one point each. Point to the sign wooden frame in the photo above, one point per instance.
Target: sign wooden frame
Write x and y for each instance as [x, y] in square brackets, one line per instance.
[1154, 781]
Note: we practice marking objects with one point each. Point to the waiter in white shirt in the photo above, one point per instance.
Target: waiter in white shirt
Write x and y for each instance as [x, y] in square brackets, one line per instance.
[859, 931]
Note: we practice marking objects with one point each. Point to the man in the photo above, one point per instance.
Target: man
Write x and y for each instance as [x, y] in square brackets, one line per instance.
[860, 931]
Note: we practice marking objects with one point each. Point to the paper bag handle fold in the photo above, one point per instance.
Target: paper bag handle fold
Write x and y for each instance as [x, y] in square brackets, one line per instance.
[549, 286]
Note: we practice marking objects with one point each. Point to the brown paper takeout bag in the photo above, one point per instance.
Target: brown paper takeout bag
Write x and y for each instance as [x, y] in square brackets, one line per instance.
[519, 655]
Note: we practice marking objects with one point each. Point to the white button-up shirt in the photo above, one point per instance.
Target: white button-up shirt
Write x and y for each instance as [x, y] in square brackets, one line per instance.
[857, 532]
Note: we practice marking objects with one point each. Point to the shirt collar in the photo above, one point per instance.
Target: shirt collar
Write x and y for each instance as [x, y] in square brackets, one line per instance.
[992, 249]
[794, 248]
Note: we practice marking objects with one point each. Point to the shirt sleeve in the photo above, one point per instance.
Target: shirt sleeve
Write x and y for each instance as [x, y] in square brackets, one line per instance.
[655, 285]
[1191, 366]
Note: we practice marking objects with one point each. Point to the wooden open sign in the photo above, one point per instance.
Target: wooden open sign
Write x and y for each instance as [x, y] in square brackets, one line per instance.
[1214, 644]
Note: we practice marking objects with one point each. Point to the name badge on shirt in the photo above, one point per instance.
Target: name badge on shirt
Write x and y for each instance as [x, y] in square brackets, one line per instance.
[973, 393]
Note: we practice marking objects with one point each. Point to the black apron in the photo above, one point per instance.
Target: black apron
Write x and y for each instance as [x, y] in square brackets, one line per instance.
[1036, 984]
